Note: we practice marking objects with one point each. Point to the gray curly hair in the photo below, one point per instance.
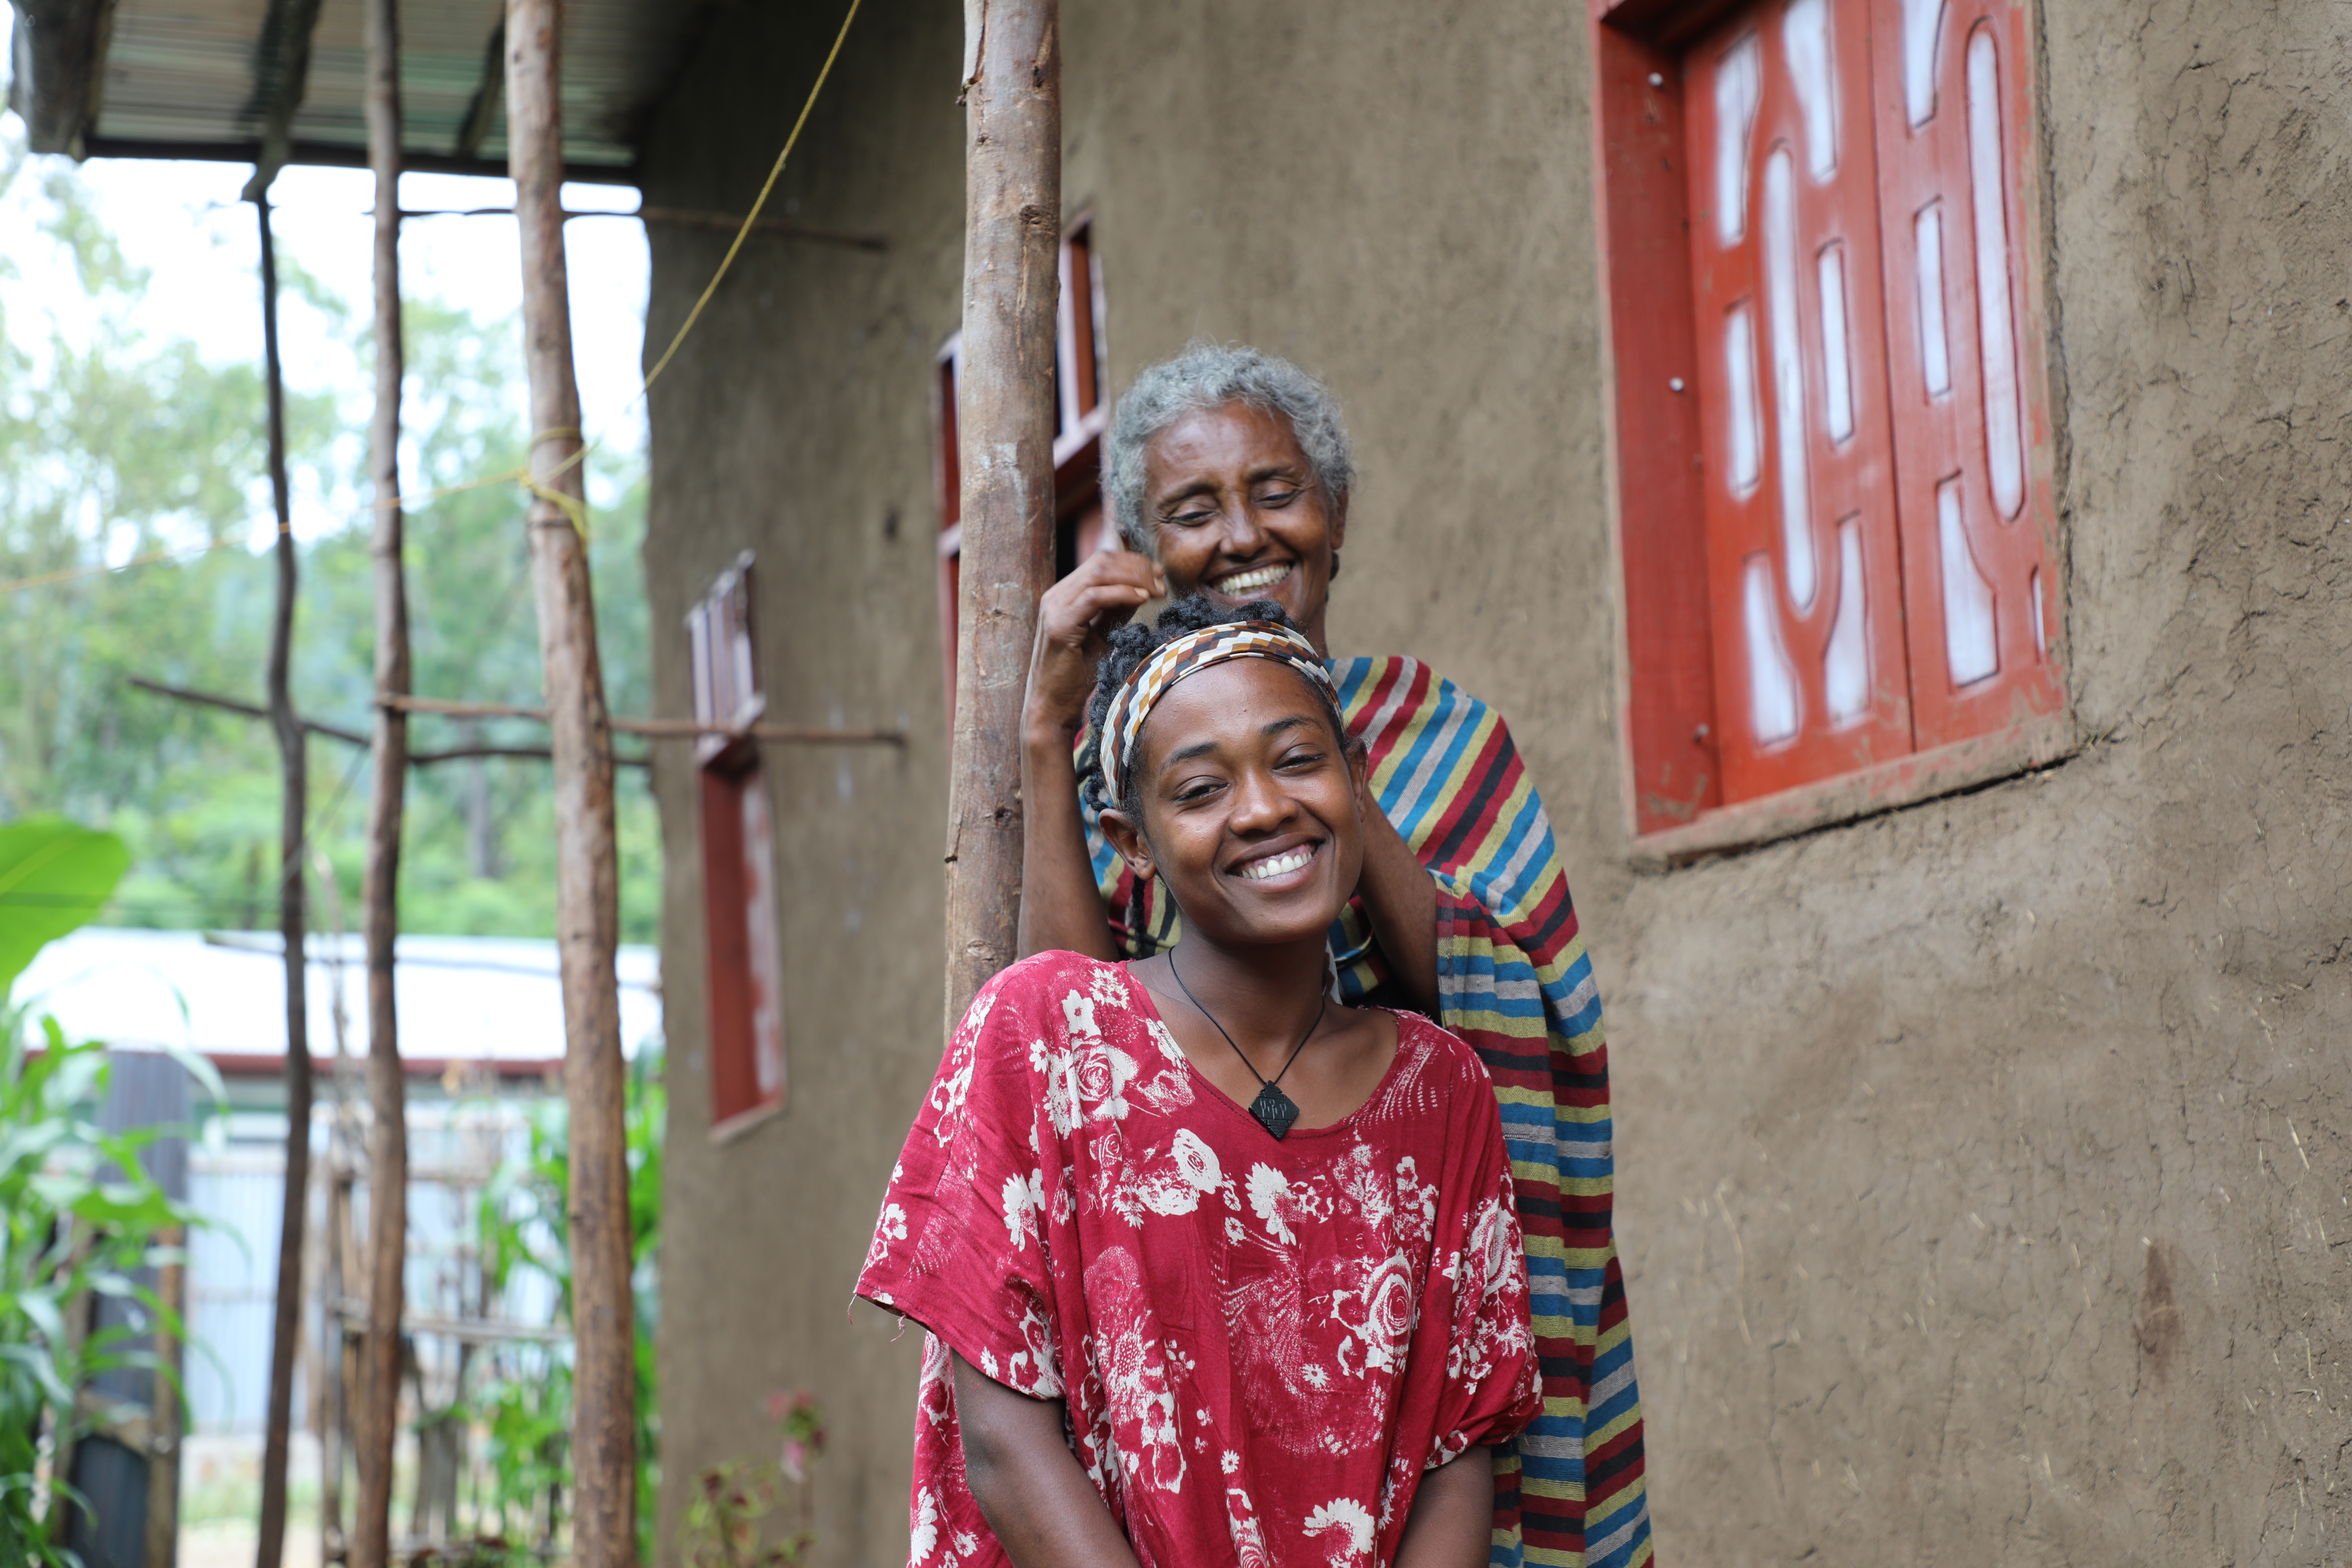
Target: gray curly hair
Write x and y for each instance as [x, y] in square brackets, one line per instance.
[1209, 376]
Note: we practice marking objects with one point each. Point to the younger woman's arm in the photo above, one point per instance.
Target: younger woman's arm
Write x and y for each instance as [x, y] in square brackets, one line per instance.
[1453, 1516]
[1045, 1511]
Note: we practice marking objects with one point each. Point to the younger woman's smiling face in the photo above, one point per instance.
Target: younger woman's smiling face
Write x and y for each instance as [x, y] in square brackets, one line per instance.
[1252, 806]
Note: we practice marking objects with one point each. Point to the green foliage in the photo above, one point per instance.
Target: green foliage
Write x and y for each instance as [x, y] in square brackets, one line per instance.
[79, 1214]
[723, 1525]
[55, 876]
[523, 1397]
[115, 446]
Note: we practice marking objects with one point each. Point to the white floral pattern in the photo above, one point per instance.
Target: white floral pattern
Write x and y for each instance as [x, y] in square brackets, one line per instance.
[891, 1227]
[1352, 1523]
[1268, 1341]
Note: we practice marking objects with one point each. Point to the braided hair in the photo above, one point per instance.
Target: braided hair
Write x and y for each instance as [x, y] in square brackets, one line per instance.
[1131, 647]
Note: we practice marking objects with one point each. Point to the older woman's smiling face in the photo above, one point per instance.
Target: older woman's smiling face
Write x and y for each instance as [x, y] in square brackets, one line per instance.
[1239, 514]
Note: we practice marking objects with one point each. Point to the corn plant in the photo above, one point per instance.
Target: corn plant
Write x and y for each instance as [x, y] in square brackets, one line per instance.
[522, 1397]
[79, 1214]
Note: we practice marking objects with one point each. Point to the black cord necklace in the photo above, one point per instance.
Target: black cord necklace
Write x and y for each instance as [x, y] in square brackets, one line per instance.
[1274, 1111]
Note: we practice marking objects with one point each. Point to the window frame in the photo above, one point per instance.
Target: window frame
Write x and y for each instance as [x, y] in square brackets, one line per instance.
[1666, 682]
[1082, 413]
[743, 996]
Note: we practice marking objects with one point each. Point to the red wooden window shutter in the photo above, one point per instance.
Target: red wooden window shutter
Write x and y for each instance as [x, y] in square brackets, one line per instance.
[1858, 384]
[746, 1016]
[1963, 349]
[1803, 570]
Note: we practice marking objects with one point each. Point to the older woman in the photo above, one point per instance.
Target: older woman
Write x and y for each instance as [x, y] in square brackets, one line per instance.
[1228, 472]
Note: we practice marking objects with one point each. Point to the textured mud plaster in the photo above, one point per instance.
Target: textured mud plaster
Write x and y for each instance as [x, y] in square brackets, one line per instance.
[1396, 194]
[1985, 1170]
[795, 423]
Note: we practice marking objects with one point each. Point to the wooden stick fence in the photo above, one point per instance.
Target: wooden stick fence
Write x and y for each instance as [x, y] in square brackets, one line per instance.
[587, 887]
[379, 1380]
[353, 737]
[292, 921]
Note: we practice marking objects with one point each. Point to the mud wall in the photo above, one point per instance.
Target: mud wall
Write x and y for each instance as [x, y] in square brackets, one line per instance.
[1984, 1173]
[796, 423]
[1985, 1166]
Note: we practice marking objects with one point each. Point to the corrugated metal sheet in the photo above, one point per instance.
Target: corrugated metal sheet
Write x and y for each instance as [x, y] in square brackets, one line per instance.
[232, 1260]
[183, 72]
[232, 1286]
[460, 997]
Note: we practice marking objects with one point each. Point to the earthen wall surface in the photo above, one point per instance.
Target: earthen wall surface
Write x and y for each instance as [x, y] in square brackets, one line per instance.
[1984, 1168]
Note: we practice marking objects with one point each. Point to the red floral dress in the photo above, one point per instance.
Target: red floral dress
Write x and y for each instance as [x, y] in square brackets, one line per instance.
[1261, 1345]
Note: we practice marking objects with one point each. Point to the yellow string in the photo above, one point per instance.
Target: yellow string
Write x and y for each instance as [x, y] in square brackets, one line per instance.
[573, 507]
[74, 573]
[753, 215]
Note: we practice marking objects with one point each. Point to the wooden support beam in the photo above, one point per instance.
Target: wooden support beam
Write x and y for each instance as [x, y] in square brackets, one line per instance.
[58, 75]
[336, 155]
[231, 705]
[683, 218]
[728, 223]
[656, 729]
[379, 1378]
[282, 78]
[1005, 422]
[489, 92]
[293, 794]
[470, 1330]
[587, 889]
[427, 759]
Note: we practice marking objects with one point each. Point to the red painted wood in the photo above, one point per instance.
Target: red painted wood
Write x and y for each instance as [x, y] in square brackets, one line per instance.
[745, 1024]
[1850, 477]
[1669, 702]
[1081, 414]
[1942, 437]
[734, 1079]
[1687, 533]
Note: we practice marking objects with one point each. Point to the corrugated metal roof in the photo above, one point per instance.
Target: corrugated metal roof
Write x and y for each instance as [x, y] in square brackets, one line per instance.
[459, 997]
[184, 77]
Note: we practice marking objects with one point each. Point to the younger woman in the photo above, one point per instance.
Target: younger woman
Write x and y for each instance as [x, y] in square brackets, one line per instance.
[1216, 1270]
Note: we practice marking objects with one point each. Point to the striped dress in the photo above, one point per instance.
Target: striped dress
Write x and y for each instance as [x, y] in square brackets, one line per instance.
[1514, 980]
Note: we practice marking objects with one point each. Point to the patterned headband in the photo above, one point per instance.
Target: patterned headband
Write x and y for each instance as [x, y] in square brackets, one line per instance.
[1175, 659]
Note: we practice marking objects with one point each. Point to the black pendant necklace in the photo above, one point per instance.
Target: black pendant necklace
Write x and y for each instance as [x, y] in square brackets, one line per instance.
[1274, 1111]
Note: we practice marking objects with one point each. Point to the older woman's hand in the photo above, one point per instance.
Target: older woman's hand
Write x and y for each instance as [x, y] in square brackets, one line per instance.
[1075, 620]
[1059, 905]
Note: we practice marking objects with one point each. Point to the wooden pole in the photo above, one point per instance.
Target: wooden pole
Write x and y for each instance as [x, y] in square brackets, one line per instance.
[587, 876]
[333, 1352]
[1013, 205]
[286, 1330]
[334, 1337]
[164, 1423]
[378, 1379]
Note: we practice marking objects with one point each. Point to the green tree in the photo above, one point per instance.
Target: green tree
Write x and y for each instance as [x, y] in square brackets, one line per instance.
[121, 448]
